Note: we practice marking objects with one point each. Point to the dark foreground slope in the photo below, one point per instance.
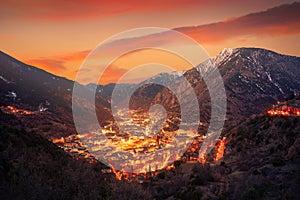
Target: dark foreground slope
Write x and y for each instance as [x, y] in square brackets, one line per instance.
[265, 159]
[262, 160]
[33, 168]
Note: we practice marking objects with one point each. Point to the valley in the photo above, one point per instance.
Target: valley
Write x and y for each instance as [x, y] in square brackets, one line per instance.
[256, 156]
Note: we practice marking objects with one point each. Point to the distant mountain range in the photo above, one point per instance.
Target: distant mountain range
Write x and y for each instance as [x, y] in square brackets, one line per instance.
[254, 79]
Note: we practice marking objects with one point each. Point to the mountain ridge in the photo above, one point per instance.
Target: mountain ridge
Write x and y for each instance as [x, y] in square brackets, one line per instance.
[254, 79]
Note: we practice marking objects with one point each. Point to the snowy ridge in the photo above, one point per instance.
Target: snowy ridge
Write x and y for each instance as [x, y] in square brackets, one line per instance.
[224, 55]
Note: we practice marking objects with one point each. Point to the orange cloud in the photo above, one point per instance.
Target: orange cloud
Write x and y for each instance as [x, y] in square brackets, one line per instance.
[75, 56]
[56, 10]
[112, 74]
[278, 21]
[58, 64]
[275, 22]
[51, 65]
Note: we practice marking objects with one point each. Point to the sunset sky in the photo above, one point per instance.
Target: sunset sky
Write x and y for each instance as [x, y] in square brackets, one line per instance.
[57, 35]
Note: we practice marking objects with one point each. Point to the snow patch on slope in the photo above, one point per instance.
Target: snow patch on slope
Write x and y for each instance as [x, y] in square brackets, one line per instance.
[269, 76]
[276, 84]
[12, 94]
[244, 78]
[259, 87]
[4, 79]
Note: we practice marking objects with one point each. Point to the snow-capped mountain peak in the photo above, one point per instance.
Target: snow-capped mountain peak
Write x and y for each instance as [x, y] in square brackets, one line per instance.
[219, 59]
[223, 56]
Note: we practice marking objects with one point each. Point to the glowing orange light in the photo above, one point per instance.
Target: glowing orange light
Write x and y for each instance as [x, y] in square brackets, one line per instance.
[284, 111]
[220, 148]
[60, 140]
[15, 111]
[170, 167]
[118, 174]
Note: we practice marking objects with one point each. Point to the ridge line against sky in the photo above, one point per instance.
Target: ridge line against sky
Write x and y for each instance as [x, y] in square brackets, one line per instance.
[276, 28]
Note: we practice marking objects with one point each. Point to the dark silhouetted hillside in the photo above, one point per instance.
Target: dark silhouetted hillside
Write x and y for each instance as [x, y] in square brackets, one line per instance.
[33, 168]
